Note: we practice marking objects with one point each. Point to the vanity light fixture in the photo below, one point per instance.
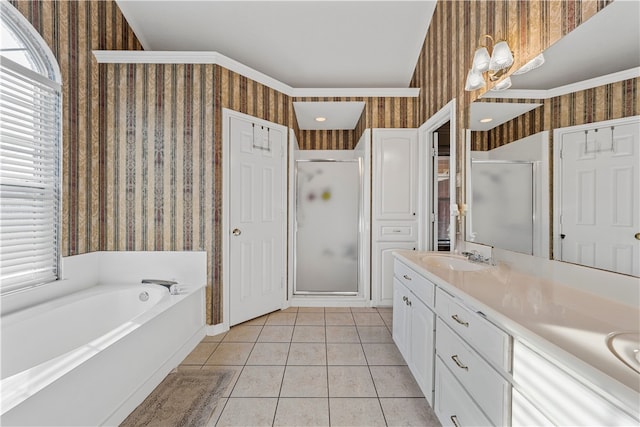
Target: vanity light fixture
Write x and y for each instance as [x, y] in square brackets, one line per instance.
[497, 64]
[321, 119]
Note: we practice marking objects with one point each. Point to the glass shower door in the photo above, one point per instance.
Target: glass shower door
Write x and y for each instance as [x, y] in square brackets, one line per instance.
[327, 227]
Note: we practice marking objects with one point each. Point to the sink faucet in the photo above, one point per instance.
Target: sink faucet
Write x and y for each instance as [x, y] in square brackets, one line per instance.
[475, 256]
[169, 284]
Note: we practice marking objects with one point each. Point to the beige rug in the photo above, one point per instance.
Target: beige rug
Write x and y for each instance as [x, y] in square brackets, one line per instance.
[183, 398]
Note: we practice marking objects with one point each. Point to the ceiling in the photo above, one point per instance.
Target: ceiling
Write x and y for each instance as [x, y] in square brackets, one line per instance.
[499, 113]
[337, 115]
[304, 44]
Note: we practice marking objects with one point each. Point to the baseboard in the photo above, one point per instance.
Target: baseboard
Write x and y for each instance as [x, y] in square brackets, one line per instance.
[216, 329]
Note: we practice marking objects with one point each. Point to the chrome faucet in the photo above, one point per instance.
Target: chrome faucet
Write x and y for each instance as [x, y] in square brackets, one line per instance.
[169, 284]
[475, 256]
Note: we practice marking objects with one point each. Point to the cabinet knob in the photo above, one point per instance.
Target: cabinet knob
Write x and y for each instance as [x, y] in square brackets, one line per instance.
[407, 277]
[460, 321]
[454, 420]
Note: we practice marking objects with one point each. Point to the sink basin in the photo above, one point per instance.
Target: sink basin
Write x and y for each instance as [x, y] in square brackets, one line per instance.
[626, 347]
[452, 262]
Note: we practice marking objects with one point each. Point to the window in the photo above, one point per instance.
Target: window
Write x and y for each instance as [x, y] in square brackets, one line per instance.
[30, 143]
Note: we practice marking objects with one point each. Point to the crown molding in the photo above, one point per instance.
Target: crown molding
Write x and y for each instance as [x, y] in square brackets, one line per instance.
[178, 57]
[566, 89]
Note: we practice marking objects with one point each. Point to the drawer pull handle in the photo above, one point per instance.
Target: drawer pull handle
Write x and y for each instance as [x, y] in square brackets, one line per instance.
[462, 322]
[460, 365]
[409, 302]
[407, 277]
[454, 420]
[404, 298]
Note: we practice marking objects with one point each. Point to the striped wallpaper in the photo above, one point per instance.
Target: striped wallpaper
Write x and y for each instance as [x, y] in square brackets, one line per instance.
[446, 56]
[72, 29]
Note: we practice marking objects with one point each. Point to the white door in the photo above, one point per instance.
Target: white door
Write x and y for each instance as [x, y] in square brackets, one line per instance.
[256, 219]
[600, 195]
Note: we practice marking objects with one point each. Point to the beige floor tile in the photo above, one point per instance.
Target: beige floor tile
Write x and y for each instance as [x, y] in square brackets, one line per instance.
[374, 334]
[304, 381]
[307, 354]
[394, 381]
[276, 334]
[387, 316]
[350, 381]
[310, 319]
[364, 309]
[310, 309]
[345, 354]
[356, 412]
[289, 310]
[337, 310]
[214, 338]
[281, 318]
[383, 354]
[268, 353]
[308, 334]
[259, 381]
[344, 334]
[248, 412]
[339, 319]
[302, 412]
[368, 319]
[258, 321]
[409, 412]
[243, 333]
[230, 353]
[236, 374]
[200, 354]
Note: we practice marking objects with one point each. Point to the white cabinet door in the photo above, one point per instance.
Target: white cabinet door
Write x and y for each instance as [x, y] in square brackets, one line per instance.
[395, 174]
[421, 349]
[383, 269]
[401, 318]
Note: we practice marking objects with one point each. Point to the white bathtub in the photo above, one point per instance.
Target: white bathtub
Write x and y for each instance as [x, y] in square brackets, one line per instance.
[89, 358]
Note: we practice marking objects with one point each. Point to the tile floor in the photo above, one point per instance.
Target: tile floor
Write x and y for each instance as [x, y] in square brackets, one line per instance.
[314, 367]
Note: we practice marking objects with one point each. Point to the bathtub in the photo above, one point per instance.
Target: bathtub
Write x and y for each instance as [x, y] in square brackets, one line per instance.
[90, 357]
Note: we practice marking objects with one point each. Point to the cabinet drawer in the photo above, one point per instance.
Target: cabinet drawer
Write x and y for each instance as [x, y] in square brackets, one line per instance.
[397, 232]
[483, 383]
[453, 406]
[560, 396]
[485, 337]
[416, 283]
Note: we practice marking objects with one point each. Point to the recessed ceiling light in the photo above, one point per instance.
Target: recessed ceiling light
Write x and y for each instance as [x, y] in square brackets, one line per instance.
[320, 119]
[487, 120]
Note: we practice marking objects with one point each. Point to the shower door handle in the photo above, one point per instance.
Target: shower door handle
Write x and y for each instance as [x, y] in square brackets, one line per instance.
[236, 232]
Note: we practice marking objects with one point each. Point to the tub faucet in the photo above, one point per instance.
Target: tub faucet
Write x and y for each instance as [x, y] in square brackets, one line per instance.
[169, 284]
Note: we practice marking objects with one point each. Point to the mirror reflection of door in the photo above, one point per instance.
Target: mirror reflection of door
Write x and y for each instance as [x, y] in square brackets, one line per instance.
[599, 198]
[441, 224]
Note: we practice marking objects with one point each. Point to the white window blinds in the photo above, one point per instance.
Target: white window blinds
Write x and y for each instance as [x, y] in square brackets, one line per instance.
[29, 177]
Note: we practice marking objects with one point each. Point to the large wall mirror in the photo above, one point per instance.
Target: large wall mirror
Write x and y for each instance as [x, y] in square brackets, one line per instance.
[588, 82]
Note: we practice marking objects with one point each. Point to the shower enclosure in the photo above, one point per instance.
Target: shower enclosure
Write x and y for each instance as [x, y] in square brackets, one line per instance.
[328, 226]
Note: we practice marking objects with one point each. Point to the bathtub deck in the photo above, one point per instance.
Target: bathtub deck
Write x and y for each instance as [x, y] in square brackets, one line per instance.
[314, 366]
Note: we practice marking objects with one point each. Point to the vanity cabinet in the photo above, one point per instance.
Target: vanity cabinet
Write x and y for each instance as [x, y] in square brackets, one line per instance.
[394, 204]
[413, 324]
[557, 394]
[473, 355]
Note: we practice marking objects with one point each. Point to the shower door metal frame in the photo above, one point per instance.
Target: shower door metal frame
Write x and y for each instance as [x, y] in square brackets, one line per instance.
[361, 230]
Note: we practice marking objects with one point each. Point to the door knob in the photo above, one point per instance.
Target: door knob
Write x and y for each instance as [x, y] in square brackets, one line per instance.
[637, 236]
[236, 232]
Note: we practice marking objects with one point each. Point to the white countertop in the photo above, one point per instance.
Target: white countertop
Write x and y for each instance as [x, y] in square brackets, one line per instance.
[566, 323]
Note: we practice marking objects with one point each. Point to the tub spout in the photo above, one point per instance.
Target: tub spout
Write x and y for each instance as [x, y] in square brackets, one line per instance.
[169, 284]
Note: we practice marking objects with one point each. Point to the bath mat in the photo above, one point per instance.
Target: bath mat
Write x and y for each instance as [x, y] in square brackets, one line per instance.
[183, 398]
